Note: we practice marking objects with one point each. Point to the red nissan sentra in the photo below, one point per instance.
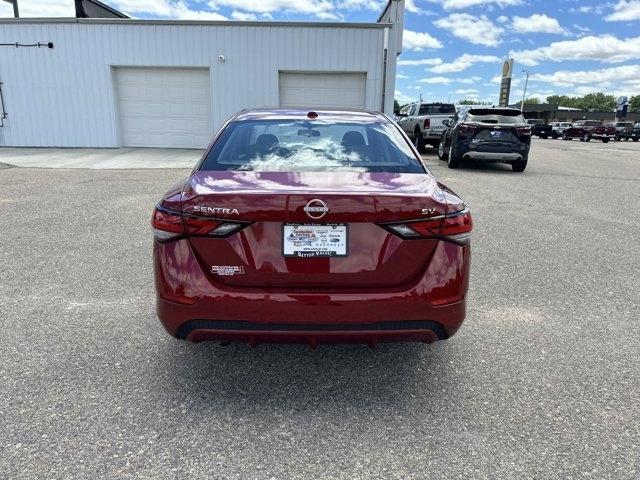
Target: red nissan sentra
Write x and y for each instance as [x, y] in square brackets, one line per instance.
[315, 227]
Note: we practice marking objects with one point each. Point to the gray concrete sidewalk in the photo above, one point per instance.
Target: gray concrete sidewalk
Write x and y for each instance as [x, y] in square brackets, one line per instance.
[100, 158]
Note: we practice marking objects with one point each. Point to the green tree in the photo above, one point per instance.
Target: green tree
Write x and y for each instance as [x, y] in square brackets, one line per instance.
[634, 103]
[532, 101]
[600, 102]
[562, 100]
[397, 106]
[470, 101]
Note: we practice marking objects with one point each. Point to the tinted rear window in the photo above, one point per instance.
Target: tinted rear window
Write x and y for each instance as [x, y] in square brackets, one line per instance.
[489, 115]
[311, 146]
[437, 110]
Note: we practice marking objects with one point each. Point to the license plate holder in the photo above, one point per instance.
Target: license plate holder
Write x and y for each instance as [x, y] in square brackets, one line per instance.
[315, 240]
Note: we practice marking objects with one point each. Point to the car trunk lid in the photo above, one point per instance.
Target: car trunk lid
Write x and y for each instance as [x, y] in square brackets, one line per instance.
[268, 200]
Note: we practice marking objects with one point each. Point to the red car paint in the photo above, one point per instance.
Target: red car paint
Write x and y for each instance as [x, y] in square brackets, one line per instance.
[239, 287]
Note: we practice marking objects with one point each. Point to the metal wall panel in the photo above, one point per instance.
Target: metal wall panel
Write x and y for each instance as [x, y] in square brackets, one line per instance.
[65, 96]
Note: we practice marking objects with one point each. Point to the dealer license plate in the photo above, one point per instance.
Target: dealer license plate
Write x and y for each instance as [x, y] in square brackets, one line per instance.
[314, 240]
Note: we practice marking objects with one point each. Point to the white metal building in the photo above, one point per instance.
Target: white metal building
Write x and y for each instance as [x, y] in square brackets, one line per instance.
[146, 83]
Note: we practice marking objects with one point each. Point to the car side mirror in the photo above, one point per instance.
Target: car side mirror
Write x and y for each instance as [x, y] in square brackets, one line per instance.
[446, 122]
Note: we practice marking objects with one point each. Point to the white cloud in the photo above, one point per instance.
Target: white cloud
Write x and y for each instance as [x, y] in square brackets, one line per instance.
[400, 75]
[605, 48]
[161, 8]
[410, 6]
[401, 97]
[319, 8]
[244, 16]
[468, 80]
[419, 40]
[624, 11]
[40, 8]
[466, 91]
[423, 61]
[598, 78]
[463, 62]
[537, 23]
[477, 30]
[460, 4]
[435, 80]
[182, 12]
[502, 19]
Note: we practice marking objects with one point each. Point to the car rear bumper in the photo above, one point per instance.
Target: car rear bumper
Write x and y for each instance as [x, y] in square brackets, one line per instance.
[493, 156]
[192, 307]
[432, 135]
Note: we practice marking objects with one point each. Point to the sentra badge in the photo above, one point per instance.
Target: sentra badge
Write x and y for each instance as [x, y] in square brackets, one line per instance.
[215, 210]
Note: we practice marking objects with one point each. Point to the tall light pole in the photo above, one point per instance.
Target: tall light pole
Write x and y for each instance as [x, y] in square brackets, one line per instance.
[15, 7]
[524, 93]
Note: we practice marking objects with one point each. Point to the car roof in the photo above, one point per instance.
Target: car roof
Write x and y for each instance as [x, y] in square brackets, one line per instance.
[302, 114]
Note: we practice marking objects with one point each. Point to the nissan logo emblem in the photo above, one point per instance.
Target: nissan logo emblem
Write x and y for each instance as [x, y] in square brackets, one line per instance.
[316, 209]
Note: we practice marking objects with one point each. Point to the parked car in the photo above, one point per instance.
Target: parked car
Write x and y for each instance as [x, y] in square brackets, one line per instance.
[311, 227]
[539, 128]
[621, 128]
[488, 135]
[423, 122]
[558, 127]
[632, 133]
[585, 130]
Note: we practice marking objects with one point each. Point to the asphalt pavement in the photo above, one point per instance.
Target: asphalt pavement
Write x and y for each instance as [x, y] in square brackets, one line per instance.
[542, 381]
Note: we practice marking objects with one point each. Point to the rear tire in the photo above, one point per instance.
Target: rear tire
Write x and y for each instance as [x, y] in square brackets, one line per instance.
[418, 141]
[585, 138]
[635, 139]
[453, 161]
[519, 166]
[554, 135]
[604, 140]
[442, 155]
[544, 136]
[564, 137]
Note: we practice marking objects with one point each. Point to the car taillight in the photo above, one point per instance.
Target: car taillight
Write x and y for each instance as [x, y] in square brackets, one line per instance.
[167, 224]
[170, 225]
[453, 227]
[467, 127]
[427, 123]
[524, 130]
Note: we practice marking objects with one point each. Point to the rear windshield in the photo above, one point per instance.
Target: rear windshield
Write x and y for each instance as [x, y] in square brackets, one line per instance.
[437, 110]
[311, 146]
[485, 115]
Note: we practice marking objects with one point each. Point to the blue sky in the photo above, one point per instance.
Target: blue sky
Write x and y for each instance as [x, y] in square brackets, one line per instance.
[453, 49]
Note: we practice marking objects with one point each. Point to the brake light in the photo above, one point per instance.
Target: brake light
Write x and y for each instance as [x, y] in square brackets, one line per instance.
[467, 127]
[453, 227]
[427, 123]
[170, 225]
[524, 130]
[167, 224]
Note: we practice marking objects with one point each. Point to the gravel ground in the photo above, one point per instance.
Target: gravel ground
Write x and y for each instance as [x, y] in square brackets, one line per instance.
[542, 381]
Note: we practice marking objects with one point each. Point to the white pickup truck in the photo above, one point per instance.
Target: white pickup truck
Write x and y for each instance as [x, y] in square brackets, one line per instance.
[423, 122]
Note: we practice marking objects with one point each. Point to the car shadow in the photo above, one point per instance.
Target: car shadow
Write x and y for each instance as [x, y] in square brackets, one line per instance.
[279, 376]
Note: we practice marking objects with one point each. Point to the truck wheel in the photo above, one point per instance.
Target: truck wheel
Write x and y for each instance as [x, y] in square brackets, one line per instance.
[554, 135]
[544, 136]
[418, 141]
[453, 160]
[617, 138]
[442, 155]
[519, 166]
[564, 137]
[604, 140]
[585, 137]
[635, 139]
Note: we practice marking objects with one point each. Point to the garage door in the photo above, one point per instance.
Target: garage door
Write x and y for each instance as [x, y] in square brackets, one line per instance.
[164, 107]
[322, 90]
